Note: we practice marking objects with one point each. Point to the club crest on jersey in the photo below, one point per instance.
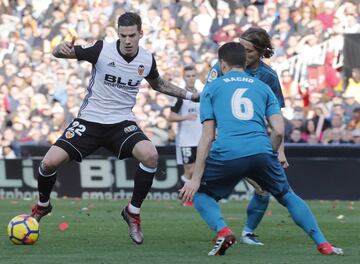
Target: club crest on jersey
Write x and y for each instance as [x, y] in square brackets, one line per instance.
[69, 134]
[141, 69]
[131, 128]
[213, 75]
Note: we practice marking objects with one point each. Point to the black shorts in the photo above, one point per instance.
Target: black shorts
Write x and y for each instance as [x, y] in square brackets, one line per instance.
[81, 138]
[188, 155]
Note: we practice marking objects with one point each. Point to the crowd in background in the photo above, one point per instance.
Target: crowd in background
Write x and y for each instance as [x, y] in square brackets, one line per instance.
[40, 95]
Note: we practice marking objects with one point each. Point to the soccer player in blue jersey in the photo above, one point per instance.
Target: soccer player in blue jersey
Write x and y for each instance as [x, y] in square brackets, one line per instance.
[257, 43]
[235, 105]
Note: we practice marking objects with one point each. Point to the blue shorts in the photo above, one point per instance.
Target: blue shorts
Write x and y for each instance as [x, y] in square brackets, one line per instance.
[221, 177]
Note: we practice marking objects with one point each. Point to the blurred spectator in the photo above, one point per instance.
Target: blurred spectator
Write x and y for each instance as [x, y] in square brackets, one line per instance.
[356, 136]
[222, 16]
[295, 136]
[327, 15]
[350, 103]
[353, 87]
[355, 120]
[39, 94]
[238, 17]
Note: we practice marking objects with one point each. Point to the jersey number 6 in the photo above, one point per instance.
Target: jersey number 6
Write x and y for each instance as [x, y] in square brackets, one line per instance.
[242, 107]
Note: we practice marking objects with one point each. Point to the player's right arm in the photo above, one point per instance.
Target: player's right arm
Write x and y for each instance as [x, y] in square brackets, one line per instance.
[174, 115]
[89, 52]
[65, 50]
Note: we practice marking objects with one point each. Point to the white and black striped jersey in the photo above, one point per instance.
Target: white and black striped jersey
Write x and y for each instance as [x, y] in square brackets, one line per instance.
[188, 132]
[114, 81]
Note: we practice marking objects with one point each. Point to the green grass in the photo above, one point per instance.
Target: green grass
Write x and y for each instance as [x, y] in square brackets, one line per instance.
[174, 234]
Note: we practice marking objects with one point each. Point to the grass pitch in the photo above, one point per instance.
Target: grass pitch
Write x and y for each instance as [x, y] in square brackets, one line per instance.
[175, 234]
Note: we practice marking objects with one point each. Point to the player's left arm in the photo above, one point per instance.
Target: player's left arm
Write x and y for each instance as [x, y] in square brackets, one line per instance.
[276, 88]
[208, 134]
[276, 122]
[166, 87]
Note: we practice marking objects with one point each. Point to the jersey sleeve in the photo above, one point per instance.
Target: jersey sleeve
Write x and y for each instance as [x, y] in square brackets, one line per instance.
[89, 53]
[272, 104]
[177, 106]
[206, 108]
[153, 74]
[214, 73]
[276, 88]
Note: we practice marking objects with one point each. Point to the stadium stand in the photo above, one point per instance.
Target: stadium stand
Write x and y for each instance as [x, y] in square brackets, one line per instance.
[39, 94]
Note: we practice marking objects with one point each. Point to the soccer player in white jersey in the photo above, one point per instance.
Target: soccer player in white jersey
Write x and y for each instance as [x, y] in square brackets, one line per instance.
[105, 117]
[186, 113]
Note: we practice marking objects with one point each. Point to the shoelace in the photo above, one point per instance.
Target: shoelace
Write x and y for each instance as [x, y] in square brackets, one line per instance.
[137, 220]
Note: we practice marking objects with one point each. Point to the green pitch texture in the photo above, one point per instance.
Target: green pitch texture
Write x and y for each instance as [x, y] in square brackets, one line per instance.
[175, 234]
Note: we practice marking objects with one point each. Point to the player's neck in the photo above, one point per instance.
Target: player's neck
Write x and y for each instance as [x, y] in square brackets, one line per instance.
[238, 69]
[253, 67]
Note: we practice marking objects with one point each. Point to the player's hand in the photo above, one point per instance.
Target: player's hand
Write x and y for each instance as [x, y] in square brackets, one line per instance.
[188, 191]
[66, 47]
[195, 97]
[283, 161]
[191, 117]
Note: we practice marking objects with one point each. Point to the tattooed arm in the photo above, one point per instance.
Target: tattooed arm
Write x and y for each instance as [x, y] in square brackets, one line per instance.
[166, 87]
[65, 50]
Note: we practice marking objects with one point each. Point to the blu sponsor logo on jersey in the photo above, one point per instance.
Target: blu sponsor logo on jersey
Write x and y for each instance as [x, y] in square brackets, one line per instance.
[113, 80]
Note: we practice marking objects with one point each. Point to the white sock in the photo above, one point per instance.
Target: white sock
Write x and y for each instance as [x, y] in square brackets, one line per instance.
[46, 204]
[132, 209]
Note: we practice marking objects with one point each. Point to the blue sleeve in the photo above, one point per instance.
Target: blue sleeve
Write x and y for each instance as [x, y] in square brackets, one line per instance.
[214, 73]
[206, 108]
[272, 104]
[276, 88]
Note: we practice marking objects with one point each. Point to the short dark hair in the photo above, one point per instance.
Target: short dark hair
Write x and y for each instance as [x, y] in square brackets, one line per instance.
[260, 39]
[130, 19]
[233, 53]
[189, 67]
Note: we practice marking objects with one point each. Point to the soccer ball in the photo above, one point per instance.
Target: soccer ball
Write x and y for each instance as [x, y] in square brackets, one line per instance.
[23, 230]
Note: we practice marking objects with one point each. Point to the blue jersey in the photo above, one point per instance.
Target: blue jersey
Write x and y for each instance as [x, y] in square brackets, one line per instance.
[238, 103]
[264, 73]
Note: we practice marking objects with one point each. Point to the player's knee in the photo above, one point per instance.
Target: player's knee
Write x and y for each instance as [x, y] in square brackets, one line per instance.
[282, 198]
[261, 192]
[47, 167]
[151, 158]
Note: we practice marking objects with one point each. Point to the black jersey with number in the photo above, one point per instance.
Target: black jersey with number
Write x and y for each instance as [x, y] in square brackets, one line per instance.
[114, 82]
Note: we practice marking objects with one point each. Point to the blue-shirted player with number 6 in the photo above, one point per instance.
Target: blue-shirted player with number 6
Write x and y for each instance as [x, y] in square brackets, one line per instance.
[236, 105]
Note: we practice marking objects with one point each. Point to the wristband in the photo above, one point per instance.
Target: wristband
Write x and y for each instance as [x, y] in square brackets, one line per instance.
[188, 95]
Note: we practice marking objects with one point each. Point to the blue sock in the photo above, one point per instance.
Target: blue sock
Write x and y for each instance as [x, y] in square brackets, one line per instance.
[255, 211]
[209, 210]
[303, 216]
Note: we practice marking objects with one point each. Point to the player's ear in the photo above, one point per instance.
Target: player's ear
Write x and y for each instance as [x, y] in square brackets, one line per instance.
[223, 66]
[141, 33]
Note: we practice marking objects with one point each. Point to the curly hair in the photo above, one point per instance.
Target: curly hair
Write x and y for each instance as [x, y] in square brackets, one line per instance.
[260, 39]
